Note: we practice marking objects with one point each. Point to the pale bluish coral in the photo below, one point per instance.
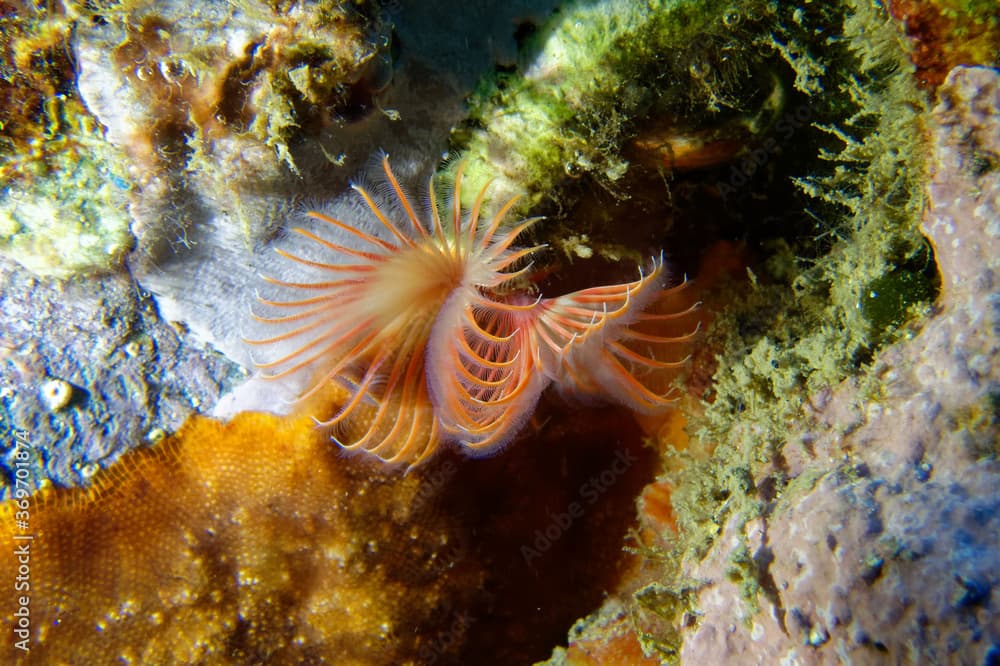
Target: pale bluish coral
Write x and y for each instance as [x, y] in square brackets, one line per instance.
[209, 99]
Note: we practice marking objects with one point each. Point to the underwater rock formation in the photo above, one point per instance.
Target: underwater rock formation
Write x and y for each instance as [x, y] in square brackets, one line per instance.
[883, 545]
[598, 67]
[225, 112]
[128, 377]
[823, 196]
[948, 33]
[223, 91]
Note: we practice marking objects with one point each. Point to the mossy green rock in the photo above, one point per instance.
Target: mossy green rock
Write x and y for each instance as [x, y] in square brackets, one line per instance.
[72, 221]
[598, 67]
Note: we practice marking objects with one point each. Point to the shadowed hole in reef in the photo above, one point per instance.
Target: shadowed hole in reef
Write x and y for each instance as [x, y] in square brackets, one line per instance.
[545, 521]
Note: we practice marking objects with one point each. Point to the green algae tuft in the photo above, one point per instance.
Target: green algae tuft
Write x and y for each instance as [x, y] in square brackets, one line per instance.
[598, 68]
[824, 301]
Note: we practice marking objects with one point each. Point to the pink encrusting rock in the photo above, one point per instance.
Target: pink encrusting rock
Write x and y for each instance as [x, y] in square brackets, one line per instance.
[885, 546]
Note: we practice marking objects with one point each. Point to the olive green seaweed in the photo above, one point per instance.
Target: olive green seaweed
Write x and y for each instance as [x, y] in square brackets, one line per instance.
[595, 67]
[818, 314]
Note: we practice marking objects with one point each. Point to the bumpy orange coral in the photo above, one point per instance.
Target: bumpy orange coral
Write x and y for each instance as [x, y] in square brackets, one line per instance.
[431, 327]
[257, 541]
[195, 551]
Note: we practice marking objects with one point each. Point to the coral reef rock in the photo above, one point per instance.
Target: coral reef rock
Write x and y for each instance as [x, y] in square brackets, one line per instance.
[89, 371]
[227, 112]
[885, 545]
[65, 189]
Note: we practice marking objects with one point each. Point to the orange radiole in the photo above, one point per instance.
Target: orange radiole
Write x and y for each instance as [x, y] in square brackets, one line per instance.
[430, 324]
